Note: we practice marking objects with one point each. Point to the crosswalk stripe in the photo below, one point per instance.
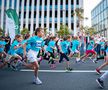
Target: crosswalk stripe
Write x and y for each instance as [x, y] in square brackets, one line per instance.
[84, 71]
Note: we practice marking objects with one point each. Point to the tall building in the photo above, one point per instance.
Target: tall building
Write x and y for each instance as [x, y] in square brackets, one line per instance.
[48, 14]
[100, 18]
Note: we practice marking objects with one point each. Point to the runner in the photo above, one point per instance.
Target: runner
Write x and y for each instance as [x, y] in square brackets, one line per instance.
[90, 50]
[106, 60]
[75, 48]
[36, 43]
[64, 52]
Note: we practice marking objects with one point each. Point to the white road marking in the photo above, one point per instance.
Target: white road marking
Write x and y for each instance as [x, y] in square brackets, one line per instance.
[60, 71]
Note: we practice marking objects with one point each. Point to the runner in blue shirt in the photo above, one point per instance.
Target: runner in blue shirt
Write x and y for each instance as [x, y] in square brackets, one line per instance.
[36, 43]
[75, 48]
[50, 51]
[64, 45]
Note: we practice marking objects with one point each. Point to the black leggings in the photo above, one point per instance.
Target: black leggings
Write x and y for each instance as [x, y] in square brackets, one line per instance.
[63, 55]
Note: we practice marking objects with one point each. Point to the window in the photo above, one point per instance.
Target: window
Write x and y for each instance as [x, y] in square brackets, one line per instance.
[50, 25]
[61, 13]
[34, 14]
[77, 2]
[29, 26]
[41, 2]
[35, 3]
[39, 25]
[30, 2]
[29, 14]
[24, 14]
[105, 4]
[50, 2]
[24, 3]
[34, 25]
[55, 13]
[72, 13]
[61, 3]
[72, 25]
[55, 25]
[66, 2]
[20, 14]
[45, 13]
[56, 2]
[67, 24]
[45, 2]
[19, 2]
[44, 25]
[72, 2]
[50, 13]
[40, 14]
[66, 13]
[23, 25]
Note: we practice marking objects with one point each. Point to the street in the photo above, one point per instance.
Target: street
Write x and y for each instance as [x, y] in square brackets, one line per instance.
[82, 77]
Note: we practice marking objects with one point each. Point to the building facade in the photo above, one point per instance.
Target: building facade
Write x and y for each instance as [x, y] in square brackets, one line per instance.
[48, 14]
[100, 18]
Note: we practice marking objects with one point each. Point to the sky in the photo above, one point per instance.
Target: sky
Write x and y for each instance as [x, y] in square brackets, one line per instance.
[88, 6]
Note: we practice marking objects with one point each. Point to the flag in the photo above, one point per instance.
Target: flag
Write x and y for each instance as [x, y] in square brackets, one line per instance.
[12, 23]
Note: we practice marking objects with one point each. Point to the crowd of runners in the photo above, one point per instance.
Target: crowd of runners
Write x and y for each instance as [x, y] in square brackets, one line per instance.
[31, 51]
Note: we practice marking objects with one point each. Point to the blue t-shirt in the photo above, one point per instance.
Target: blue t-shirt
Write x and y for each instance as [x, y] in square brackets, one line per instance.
[36, 43]
[50, 46]
[20, 50]
[90, 45]
[106, 49]
[12, 50]
[102, 45]
[2, 46]
[28, 46]
[64, 46]
[75, 44]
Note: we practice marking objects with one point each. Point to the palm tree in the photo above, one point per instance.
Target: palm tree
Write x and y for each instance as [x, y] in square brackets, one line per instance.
[79, 13]
[1, 32]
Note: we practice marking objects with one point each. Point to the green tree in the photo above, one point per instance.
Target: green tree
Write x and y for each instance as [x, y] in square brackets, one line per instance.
[89, 30]
[80, 15]
[1, 31]
[45, 31]
[64, 31]
[24, 31]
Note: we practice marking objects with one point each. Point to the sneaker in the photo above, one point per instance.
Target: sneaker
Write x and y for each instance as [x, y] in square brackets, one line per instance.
[69, 69]
[98, 71]
[100, 82]
[78, 60]
[13, 67]
[94, 61]
[37, 81]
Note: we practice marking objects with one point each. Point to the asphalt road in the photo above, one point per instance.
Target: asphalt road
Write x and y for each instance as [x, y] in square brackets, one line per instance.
[82, 77]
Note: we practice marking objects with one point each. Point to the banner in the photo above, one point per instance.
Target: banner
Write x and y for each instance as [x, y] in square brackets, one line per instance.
[12, 23]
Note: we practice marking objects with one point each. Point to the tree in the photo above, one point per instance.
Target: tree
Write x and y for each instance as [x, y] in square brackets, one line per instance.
[64, 31]
[1, 31]
[89, 30]
[80, 14]
[24, 31]
[45, 31]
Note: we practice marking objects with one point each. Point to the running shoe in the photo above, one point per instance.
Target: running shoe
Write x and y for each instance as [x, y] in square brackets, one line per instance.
[69, 69]
[100, 82]
[98, 71]
[94, 61]
[37, 81]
